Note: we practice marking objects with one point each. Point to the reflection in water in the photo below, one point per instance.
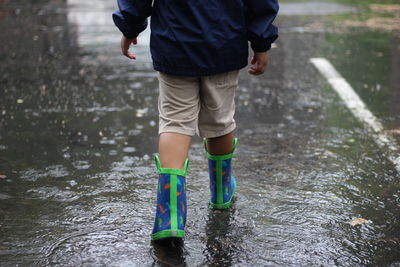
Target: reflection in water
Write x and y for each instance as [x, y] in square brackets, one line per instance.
[97, 35]
[221, 244]
[168, 252]
[314, 8]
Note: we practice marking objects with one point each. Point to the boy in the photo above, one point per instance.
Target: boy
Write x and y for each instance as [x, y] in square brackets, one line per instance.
[198, 48]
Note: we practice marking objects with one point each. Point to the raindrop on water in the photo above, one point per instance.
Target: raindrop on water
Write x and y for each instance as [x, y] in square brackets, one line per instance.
[129, 149]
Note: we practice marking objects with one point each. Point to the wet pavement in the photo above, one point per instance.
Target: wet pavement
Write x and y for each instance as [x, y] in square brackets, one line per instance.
[78, 132]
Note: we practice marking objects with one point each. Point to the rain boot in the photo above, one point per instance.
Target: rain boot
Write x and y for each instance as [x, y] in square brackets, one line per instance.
[222, 183]
[170, 217]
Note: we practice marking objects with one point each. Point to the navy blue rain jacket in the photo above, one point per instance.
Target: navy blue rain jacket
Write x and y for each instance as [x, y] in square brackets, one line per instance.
[200, 37]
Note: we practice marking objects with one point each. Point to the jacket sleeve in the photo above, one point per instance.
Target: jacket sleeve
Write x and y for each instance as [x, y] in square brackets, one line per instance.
[259, 17]
[131, 18]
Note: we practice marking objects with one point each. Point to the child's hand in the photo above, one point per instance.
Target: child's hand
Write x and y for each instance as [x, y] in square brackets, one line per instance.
[259, 63]
[125, 44]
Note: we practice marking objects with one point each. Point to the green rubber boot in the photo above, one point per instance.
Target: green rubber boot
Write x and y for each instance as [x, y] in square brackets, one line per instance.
[222, 183]
[170, 217]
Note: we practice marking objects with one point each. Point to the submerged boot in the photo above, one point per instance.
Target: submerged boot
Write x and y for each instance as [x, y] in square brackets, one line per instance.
[222, 183]
[171, 203]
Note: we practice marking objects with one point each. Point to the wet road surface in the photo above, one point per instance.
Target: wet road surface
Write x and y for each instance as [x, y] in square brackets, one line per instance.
[79, 130]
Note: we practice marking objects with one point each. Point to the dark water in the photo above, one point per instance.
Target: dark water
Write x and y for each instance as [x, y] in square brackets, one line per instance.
[78, 132]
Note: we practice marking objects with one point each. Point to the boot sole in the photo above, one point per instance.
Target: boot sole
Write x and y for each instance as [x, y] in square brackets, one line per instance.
[168, 234]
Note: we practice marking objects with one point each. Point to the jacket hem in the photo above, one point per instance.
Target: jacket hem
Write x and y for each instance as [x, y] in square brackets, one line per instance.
[187, 71]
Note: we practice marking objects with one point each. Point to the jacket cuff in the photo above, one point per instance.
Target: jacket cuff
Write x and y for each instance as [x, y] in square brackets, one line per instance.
[263, 45]
[130, 36]
[260, 46]
[127, 31]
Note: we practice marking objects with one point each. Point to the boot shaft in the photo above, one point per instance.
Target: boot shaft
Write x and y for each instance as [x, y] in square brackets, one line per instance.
[222, 183]
[171, 211]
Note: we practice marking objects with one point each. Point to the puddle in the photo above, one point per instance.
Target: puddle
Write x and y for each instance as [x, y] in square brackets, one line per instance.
[77, 151]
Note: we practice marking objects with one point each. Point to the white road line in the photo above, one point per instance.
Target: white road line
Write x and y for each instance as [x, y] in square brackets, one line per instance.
[359, 109]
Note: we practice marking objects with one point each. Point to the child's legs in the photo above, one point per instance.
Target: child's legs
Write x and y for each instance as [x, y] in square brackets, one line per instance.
[221, 145]
[217, 109]
[178, 106]
[173, 149]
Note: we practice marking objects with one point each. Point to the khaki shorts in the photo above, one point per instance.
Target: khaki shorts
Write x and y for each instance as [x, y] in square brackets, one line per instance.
[205, 105]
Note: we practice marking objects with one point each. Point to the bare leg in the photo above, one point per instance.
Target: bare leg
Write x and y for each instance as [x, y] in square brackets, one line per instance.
[173, 149]
[221, 145]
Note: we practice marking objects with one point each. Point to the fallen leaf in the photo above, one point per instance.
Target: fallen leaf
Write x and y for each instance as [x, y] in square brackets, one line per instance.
[329, 153]
[141, 112]
[385, 8]
[359, 221]
[392, 132]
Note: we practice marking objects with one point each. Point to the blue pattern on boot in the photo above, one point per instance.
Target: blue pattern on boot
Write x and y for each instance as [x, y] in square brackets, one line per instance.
[212, 165]
[163, 218]
[228, 181]
[227, 184]
[163, 212]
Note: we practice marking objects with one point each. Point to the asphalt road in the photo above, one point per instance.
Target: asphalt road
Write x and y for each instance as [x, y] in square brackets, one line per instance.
[78, 132]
